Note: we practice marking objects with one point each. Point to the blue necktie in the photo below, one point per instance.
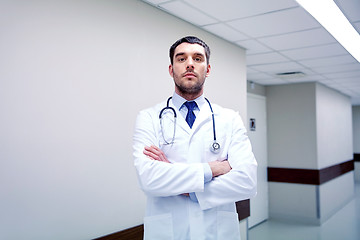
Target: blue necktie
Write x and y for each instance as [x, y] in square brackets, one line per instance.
[190, 116]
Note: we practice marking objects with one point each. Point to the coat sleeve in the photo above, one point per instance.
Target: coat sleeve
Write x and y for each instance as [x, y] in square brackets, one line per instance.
[160, 178]
[240, 183]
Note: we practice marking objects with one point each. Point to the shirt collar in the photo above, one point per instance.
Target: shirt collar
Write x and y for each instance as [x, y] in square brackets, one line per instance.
[178, 101]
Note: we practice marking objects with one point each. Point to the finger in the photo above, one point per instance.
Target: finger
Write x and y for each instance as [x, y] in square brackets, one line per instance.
[155, 154]
[149, 154]
[151, 150]
[158, 152]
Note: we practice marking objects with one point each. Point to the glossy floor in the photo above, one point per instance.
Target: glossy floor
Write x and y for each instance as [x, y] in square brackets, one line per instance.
[344, 225]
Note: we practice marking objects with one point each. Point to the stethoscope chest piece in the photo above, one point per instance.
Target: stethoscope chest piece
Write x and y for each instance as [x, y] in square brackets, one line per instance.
[215, 147]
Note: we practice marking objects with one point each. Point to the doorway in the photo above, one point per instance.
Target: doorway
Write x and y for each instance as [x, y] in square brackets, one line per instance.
[257, 132]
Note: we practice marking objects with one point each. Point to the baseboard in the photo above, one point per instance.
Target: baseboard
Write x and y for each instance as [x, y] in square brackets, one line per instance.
[134, 233]
[309, 176]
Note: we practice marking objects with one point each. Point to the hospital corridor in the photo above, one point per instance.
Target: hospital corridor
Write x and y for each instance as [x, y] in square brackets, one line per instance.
[116, 124]
[344, 225]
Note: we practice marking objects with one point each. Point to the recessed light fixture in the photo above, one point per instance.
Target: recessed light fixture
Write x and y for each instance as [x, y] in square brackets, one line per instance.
[327, 13]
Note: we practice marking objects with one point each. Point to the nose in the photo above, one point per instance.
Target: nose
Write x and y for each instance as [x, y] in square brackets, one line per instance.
[190, 64]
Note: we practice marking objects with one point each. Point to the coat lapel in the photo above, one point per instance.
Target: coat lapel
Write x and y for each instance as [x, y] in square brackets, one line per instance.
[204, 115]
[181, 122]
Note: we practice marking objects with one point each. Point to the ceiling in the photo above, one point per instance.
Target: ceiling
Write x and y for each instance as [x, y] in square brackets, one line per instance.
[280, 37]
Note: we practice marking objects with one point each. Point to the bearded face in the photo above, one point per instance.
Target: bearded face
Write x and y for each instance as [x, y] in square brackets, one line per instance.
[189, 70]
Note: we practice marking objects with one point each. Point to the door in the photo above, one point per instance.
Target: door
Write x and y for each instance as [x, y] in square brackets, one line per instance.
[257, 132]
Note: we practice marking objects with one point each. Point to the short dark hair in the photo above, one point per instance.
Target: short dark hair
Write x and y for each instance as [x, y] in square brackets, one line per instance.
[191, 40]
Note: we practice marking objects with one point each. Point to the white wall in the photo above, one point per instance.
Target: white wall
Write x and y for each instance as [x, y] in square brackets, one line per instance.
[356, 128]
[356, 138]
[334, 127]
[291, 125]
[335, 145]
[293, 202]
[259, 205]
[335, 194]
[73, 75]
[309, 126]
[256, 89]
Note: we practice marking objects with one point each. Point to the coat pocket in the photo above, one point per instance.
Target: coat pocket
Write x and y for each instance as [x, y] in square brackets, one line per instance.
[158, 227]
[228, 226]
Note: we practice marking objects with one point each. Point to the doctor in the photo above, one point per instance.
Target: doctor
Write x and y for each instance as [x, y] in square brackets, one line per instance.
[191, 184]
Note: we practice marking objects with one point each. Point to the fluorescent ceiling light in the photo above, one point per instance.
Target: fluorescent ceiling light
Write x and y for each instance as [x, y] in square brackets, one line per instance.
[327, 13]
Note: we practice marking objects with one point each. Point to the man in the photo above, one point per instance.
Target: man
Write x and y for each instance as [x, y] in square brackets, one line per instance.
[191, 185]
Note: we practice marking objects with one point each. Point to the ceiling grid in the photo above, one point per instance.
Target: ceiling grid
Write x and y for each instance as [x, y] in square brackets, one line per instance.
[279, 36]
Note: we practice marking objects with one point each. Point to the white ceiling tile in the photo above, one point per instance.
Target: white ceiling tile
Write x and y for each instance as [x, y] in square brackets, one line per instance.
[300, 39]
[349, 88]
[155, 1]
[354, 88]
[345, 91]
[315, 52]
[258, 76]
[275, 23]
[301, 80]
[310, 78]
[272, 81]
[265, 58]
[250, 70]
[351, 80]
[330, 61]
[342, 75]
[253, 46]
[355, 101]
[187, 13]
[338, 68]
[266, 26]
[357, 90]
[357, 26]
[225, 32]
[226, 10]
[333, 85]
[351, 9]
[352, 92]
[279, 67]
[325, 81]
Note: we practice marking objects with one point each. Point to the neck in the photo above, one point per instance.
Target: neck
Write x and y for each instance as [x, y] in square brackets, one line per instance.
[189, 96]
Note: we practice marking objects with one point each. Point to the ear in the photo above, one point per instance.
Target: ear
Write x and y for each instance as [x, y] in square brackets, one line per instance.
[171, 71]
[208, 70]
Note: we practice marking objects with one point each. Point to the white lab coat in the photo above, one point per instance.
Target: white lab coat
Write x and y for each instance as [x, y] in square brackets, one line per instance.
[169, 214]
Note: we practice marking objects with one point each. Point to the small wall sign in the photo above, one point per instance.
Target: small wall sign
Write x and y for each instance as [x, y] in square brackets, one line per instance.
[252, 124]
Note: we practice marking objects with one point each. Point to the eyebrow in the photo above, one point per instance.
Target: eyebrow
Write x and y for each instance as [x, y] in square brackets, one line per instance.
[183, 53]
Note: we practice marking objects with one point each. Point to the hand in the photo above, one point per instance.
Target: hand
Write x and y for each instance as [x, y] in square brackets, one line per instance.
[155, 153]
[219, 167]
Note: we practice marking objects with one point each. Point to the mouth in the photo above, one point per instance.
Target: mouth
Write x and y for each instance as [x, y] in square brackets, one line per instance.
[189, 75]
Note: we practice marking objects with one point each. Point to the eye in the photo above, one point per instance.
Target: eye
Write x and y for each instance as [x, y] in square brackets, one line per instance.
[181, 59]
[198, 59]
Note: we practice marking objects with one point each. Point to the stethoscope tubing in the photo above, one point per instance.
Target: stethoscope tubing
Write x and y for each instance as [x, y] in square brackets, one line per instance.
[215, 146]
[213, 118]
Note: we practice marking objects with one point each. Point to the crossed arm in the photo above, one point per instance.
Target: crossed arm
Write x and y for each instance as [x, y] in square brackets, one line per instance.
[217, 167]
[158, 177]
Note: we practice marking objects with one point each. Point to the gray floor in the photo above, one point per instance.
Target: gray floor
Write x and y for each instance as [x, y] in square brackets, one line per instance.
[344, 225]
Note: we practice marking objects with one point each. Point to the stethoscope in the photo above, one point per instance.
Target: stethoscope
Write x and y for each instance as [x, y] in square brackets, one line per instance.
[214, 147]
